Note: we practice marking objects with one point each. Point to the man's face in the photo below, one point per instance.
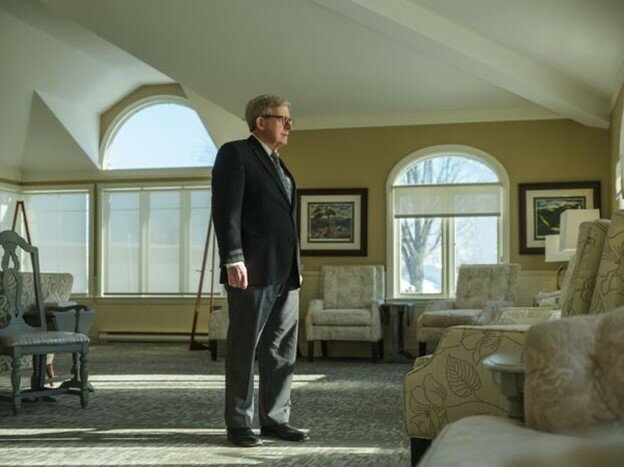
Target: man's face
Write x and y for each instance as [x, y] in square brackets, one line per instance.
[275, 127]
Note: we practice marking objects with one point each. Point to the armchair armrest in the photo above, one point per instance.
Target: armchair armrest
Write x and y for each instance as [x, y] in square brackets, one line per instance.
[525, 315]
[491, 309]
[439, 305]
[60, 314]
[453, 383]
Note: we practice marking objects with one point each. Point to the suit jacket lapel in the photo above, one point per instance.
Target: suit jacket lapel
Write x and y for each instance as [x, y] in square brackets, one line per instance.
[261, 154]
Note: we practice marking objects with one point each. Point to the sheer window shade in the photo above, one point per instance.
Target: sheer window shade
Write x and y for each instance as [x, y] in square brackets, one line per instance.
[154, 240]
[447, 200]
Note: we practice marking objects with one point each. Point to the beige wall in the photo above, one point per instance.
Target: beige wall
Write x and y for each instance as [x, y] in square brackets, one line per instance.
[533, 151]
[536, 151]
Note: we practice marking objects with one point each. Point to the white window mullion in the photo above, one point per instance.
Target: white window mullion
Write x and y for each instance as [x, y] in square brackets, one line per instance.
[450, 262]
[144, 207]
[185, 239]
[105, 236]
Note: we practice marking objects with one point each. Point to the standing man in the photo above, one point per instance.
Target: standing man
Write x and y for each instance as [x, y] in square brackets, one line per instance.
[253, 207]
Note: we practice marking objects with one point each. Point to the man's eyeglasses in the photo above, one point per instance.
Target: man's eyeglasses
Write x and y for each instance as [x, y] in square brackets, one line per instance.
[284, 120]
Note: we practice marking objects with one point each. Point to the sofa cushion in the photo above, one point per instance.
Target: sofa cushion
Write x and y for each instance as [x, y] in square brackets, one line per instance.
[575, 373]
[446, 318]
[485, 440]
[342, 317]
[578, 288]
[609, 290]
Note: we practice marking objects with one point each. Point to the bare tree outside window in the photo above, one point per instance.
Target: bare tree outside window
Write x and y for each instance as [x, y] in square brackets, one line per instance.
[421, 237]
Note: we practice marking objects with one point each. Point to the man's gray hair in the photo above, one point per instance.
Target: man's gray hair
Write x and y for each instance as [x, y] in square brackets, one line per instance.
[261, 105]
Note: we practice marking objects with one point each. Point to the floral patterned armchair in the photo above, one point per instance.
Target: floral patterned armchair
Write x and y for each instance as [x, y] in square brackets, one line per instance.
[482, 289]
[349, 309]
[452, 383]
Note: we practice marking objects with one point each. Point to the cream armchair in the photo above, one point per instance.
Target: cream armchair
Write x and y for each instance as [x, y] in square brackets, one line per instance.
[349, 309]
[482, 289]
[453, 383]
[573, 388]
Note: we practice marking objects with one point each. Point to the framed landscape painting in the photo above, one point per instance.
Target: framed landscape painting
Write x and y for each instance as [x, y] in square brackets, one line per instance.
[541, 205]
[333, 221]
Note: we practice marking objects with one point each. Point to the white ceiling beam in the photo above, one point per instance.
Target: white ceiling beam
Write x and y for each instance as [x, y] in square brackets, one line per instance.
[466, 50]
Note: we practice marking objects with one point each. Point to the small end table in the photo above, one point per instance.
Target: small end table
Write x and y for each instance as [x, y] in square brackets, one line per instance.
[510, 369]
[401, 313]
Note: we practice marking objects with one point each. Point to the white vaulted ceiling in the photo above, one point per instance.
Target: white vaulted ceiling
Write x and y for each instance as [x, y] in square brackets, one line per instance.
[342, 63]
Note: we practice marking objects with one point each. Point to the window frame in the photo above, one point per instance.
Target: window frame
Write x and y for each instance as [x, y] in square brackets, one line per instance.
[448, 259]
[130, 111]
[144, 187]
[89, 189]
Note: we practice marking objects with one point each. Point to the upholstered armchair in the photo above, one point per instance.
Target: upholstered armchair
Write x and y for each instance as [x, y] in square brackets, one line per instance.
[482, 289]
[349, 309]
[452, 383]
[572, 393]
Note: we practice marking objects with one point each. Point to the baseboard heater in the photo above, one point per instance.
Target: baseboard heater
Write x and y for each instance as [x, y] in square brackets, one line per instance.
[121, 336]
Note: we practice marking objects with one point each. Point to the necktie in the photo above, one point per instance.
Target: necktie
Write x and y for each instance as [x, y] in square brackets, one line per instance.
[282, 175]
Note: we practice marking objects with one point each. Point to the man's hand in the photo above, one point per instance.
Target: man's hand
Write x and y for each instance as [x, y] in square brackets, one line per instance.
[237, 276]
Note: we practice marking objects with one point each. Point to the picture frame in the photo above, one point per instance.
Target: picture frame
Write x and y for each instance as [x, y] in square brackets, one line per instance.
[541, 205]
[333, 221]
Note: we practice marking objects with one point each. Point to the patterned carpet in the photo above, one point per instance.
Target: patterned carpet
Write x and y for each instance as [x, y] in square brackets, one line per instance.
[159, 404]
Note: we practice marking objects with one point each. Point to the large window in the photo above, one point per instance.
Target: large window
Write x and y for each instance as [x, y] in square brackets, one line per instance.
[59, 226]
[446, 208]
[153, 240]
[158, 133]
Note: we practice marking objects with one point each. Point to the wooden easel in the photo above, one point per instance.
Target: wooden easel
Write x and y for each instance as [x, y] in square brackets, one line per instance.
[20, 206]
[193, 343]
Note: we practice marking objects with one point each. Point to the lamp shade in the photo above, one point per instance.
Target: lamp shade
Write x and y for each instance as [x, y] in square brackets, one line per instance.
[569, 226]
[552, 251]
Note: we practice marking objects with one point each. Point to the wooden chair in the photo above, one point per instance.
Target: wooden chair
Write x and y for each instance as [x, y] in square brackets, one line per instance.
[19, 339]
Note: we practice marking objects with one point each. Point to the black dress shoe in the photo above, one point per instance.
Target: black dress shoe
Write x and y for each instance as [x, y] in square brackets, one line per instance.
[285, 432]
[243, 437]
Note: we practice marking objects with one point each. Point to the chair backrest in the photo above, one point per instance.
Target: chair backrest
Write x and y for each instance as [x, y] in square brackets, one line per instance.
[575, 373]
[12, 299]
[56, 288]
[609, 291]
[580, 282]
[352, 286]
[478, 284]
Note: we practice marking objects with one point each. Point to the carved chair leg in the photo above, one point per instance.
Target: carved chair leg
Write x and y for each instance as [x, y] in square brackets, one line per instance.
[74, 370]
[84, 378]
[422, 349]
[212, 343]
[324, 349]
[310, 351]
[418, 447]
[16, 379]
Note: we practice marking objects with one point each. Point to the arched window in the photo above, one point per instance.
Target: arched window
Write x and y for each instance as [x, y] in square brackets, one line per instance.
[158, 132]
[447, 206]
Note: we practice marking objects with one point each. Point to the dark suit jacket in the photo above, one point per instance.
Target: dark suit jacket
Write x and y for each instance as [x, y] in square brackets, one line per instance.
[254, 219]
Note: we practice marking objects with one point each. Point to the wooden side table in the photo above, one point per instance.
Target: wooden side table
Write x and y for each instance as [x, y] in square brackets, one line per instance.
[510, 369]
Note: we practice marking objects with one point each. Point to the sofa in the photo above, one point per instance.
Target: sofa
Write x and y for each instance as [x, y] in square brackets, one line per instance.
[573, 403]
